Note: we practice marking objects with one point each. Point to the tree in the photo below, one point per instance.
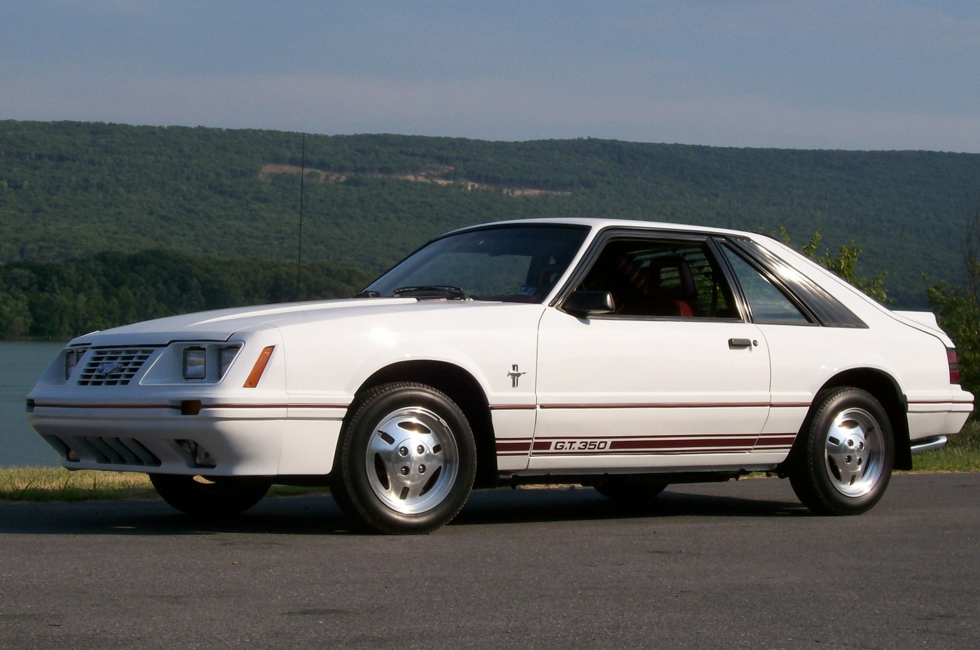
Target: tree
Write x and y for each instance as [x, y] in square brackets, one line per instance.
[843, 265]
[15, 317]
[957, 308]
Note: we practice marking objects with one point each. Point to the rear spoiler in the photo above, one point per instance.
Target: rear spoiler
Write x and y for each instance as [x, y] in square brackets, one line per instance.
[926, 322]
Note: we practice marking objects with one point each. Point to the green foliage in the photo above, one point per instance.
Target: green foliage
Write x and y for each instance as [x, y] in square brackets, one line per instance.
[961, 453]
[71, 189]
[15, 316]
[65, 299]
[957, 308]
[843, 264]
[958, 312]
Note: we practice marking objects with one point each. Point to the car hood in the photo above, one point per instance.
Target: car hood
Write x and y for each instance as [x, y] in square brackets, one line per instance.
[220, 325]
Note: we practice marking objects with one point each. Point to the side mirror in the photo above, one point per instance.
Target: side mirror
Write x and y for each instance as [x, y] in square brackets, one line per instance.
[588, 303]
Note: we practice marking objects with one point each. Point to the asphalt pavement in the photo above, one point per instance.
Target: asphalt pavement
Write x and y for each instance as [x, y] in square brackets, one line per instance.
[706, 566]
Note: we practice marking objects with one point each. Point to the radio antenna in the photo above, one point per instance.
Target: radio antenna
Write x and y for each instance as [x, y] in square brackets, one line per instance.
[299, 251]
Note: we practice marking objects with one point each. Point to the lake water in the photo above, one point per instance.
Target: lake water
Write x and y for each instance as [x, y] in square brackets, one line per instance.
[20, 366]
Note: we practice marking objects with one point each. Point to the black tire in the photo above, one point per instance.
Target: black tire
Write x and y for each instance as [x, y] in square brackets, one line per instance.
[219, 496]
[406, 460]
[633, 490]
[844, 455]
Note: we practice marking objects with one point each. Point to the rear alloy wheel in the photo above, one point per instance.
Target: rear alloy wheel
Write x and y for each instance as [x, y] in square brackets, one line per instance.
[218, 496]
[406, 461]
[845, 455]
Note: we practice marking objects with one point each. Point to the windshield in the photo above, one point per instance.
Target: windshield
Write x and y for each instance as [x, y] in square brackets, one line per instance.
[510, 263]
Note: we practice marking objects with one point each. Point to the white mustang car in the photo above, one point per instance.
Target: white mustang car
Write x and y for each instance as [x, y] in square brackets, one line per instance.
[617, 354]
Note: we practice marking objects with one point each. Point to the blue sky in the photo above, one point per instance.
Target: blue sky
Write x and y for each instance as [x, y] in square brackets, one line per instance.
[856, 74]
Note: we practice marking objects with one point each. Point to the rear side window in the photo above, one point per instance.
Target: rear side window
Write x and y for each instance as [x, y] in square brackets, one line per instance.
[647, 277]
[827, 310]
[768, 304]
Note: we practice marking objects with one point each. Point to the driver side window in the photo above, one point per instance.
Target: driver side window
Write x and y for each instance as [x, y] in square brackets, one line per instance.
[670, 279]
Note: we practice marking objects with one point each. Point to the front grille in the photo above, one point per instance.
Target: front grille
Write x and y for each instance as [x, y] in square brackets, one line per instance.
[113, 366]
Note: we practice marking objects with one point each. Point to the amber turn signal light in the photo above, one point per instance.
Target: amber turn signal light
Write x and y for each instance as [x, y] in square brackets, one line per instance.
[259, 367]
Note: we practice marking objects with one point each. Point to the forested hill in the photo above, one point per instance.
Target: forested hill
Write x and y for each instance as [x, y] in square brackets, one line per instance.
[70, 189]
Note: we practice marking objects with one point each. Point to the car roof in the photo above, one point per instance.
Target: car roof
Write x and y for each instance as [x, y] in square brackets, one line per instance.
[597, 223]
[850, 296]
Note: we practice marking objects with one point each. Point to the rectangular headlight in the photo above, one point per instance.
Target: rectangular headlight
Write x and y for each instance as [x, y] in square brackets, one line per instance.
[71, 360]
[195, 363]
[225, 356]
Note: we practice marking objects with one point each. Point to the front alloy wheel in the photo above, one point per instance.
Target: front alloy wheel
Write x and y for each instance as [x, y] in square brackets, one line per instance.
[406, 461]
[412, 460]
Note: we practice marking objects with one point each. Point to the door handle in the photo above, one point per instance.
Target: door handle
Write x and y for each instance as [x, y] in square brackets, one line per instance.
[740, 344]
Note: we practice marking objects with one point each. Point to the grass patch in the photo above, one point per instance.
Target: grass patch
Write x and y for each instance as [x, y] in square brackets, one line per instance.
[58, 484]
[961, 453]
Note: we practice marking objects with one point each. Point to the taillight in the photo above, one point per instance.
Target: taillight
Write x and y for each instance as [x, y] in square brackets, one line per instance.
[954, 366]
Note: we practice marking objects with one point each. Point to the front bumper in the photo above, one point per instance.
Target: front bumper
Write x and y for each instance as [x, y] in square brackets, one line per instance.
[239, 440]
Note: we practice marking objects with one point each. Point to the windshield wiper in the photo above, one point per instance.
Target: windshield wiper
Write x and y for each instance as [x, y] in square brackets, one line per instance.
[430, 291]
[367, 293]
